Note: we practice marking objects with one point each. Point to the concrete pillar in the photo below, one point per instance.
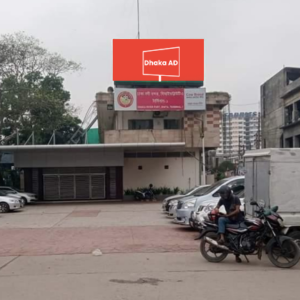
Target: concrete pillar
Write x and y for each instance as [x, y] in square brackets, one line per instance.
[105, 115]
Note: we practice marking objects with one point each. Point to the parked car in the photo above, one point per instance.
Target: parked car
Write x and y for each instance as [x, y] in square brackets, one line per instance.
[207, 206]
[8, 203]
[193, 191]
[26, 197]
[16, 196]
[173, 204]
[185, 208]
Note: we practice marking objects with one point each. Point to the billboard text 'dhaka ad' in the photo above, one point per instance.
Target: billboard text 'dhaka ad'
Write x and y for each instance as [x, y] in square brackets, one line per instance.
[158, 60]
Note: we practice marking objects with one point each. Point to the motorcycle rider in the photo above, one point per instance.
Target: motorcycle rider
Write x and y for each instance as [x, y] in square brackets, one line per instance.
[233, 215]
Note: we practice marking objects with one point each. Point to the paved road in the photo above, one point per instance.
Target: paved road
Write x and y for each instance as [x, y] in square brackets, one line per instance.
[145, 257]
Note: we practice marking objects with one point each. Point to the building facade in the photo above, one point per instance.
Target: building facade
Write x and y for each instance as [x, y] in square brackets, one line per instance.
[136, 148]
[280, 110]
[181, 167]
[239, 132]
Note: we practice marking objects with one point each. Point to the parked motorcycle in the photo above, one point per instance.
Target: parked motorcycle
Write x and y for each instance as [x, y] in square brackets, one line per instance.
[144, 195]
[249, 238]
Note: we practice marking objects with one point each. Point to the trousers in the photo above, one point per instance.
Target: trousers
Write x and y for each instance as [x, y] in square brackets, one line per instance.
[222, 222]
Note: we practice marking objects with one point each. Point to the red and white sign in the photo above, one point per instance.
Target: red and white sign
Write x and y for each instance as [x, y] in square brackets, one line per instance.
[167, 99]
[168, 60]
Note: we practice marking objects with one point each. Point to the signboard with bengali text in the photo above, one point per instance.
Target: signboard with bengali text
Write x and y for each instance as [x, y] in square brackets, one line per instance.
[164, 99]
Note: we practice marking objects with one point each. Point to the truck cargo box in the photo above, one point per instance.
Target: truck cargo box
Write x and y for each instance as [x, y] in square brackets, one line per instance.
[273, 175]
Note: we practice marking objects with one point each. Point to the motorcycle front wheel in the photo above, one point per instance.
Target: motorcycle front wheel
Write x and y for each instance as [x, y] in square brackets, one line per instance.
[286, 256]
[210, 252]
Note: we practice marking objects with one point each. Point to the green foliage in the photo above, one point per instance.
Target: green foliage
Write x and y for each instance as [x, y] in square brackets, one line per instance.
[32, 96]
[156, 191]
[38, 104]
[226, 166]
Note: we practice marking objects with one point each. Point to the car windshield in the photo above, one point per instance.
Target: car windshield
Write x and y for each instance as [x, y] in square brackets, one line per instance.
[201, 191]
[190, 192]
[215, 186]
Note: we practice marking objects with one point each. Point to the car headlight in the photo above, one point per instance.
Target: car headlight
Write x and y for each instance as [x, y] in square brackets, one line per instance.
[173, 203]
[208, 208]
[188, 205]
[200, 208]
[13, 200]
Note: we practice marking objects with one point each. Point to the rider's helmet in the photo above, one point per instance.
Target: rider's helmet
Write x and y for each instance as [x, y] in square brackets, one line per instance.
[225, 192]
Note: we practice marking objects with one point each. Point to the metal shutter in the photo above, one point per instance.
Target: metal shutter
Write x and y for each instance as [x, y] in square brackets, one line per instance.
[82, 183]
[51, 187]
[35, 181]
[67, 188]
[98, 186]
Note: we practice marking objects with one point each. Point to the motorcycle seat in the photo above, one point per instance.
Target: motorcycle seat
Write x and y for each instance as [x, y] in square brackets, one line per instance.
[237, 226]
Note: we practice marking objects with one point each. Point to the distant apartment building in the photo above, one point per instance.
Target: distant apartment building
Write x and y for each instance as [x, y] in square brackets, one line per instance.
[280, 109]
[239, 132]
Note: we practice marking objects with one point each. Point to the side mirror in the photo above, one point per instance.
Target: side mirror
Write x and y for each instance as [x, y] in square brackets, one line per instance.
[216, 194]
[262, 203]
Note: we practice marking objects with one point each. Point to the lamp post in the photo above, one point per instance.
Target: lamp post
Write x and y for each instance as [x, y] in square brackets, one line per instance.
[203, 152]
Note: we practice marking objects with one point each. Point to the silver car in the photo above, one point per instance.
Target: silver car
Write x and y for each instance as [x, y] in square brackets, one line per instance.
[195, 190]
[173, 204]
[8, 203]
[185, 209]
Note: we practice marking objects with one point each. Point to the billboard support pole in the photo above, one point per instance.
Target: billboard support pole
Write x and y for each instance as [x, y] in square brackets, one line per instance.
[138, 15]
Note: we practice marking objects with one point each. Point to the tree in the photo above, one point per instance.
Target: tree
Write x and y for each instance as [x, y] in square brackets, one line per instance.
[21, 55]
[32, 96]
[226, 166]
[39, 104]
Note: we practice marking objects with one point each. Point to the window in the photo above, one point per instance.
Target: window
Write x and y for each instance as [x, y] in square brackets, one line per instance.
[289, 143]
[140, 124]
[172, 124]
[289, 114]
[297, 112]
[5, 189]
[263, 98]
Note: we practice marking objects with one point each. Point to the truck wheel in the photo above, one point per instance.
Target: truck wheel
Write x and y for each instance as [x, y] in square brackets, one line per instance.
[296, 236]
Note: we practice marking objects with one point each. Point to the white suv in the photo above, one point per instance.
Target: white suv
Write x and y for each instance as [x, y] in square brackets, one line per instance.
[25, 197]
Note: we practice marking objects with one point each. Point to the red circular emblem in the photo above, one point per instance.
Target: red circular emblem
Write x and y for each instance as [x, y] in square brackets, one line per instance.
[125, 99]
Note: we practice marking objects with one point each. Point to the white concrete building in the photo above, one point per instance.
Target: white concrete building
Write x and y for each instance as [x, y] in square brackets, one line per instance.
[239, 132]
[166, 167]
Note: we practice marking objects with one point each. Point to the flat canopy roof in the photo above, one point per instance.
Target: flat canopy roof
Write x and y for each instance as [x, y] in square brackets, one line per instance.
[127, 146]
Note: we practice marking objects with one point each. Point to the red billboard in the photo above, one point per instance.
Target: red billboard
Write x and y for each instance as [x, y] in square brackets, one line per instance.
[163, 60]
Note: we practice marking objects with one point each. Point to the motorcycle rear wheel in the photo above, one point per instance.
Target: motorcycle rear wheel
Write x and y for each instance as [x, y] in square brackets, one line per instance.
[205, 248]
[289, 254]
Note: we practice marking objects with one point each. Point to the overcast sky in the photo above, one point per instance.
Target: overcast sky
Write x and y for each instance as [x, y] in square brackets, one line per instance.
[246, 42]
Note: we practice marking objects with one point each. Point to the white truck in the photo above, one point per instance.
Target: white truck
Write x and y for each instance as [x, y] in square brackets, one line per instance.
[273, 175]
